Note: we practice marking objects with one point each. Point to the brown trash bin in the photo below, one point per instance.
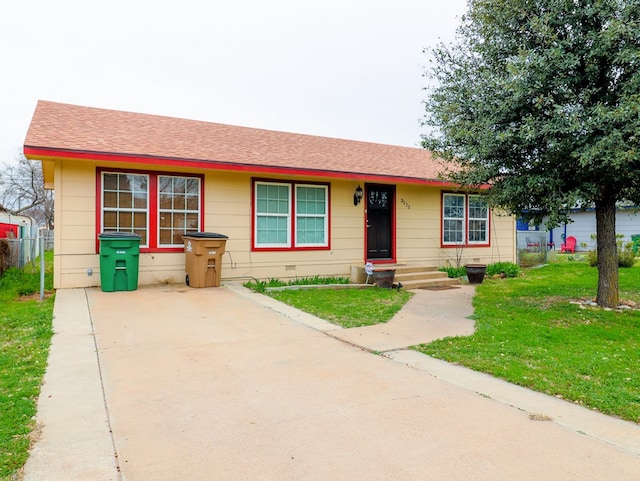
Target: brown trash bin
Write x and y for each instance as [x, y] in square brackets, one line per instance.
[203, 258]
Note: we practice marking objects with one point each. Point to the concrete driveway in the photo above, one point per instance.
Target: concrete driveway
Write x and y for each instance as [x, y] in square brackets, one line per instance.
[203, 384]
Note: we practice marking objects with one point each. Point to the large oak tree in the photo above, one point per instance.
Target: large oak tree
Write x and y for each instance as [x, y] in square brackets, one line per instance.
[541, 100]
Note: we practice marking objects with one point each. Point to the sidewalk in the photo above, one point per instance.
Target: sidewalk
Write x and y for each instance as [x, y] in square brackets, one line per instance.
[200, 383]
[75, 443]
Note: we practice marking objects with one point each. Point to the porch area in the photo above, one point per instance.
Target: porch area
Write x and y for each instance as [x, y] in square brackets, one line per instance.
[412, 276]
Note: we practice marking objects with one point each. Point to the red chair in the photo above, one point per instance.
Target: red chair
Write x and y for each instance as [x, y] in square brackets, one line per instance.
[532, 245]
[569, 245]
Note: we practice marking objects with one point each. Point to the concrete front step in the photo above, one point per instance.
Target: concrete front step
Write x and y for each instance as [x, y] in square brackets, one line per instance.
[411, 276]
[427, 283]
[407, 269]
[403, 276]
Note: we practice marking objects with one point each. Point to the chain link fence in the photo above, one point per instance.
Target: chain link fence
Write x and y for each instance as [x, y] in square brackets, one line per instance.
[532, 247]
[26, 250]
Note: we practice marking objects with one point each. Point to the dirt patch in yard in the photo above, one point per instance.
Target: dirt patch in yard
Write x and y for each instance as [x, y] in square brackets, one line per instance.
[36, 296]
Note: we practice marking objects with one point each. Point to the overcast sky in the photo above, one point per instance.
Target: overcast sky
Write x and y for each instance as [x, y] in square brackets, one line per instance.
[340, 68]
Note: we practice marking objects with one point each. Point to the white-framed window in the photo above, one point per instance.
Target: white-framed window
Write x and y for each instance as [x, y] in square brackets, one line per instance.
[453, 218]
[178, 208]
[311, 215]
[125, 204]
[465, 220]
[272, 214]
[290, 215]
[160, 207]
[478, 220]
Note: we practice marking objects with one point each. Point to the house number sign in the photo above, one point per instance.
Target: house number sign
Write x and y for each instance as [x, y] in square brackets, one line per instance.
[378, 199]
[405, 203]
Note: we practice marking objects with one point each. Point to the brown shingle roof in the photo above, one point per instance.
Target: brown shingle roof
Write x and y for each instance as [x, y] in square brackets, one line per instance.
[70, 129]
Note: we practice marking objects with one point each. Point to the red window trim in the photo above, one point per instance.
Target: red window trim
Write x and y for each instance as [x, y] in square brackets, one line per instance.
[153, 204]
[292, 225]
[466, 219]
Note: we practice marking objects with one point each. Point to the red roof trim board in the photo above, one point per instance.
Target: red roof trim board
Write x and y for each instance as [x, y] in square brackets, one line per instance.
[38, 153]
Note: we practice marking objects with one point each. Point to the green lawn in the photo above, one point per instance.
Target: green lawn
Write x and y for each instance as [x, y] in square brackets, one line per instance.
[347, 307]
[529, 333]
[25, 336]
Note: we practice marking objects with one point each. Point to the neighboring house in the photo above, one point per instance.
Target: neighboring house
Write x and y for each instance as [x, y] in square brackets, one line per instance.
[10, 224]
[288, 202]
[530, 236]
[583, 227]
[22, 234]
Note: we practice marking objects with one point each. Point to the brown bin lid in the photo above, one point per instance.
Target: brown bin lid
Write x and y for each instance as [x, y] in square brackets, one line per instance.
[205, 235]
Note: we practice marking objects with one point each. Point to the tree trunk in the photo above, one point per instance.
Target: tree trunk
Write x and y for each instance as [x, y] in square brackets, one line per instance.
[608, 292]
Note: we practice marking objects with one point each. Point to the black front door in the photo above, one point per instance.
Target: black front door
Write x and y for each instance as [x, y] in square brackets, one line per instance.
[379, 219]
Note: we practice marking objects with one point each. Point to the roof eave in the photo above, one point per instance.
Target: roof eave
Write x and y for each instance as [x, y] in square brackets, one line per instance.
[46, 153]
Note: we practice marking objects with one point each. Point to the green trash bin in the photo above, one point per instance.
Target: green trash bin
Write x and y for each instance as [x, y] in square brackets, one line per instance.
[636, 243]
[119, 258]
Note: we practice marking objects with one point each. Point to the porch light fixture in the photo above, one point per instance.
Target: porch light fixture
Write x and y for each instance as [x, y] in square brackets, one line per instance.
[357, 195]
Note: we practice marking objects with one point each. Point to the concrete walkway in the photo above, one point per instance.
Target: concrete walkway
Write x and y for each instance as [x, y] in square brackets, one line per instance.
[170, 383]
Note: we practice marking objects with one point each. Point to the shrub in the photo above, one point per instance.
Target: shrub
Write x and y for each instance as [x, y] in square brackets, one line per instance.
[453, 272]
[626, 256]
[317, 280]
[530, 259]
[261, 286]
[5, 253]
[504, 269]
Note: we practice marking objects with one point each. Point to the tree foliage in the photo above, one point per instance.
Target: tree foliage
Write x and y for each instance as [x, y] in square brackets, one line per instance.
[22, 192]
[541, 100]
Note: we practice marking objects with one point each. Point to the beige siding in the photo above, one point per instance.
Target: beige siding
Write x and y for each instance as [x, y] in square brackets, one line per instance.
[417, 224]
[227, 208]
[418, 233]
[75, 233]
[228, 211]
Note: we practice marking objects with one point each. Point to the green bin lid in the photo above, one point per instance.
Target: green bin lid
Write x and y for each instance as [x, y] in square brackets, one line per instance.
[118, 235]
